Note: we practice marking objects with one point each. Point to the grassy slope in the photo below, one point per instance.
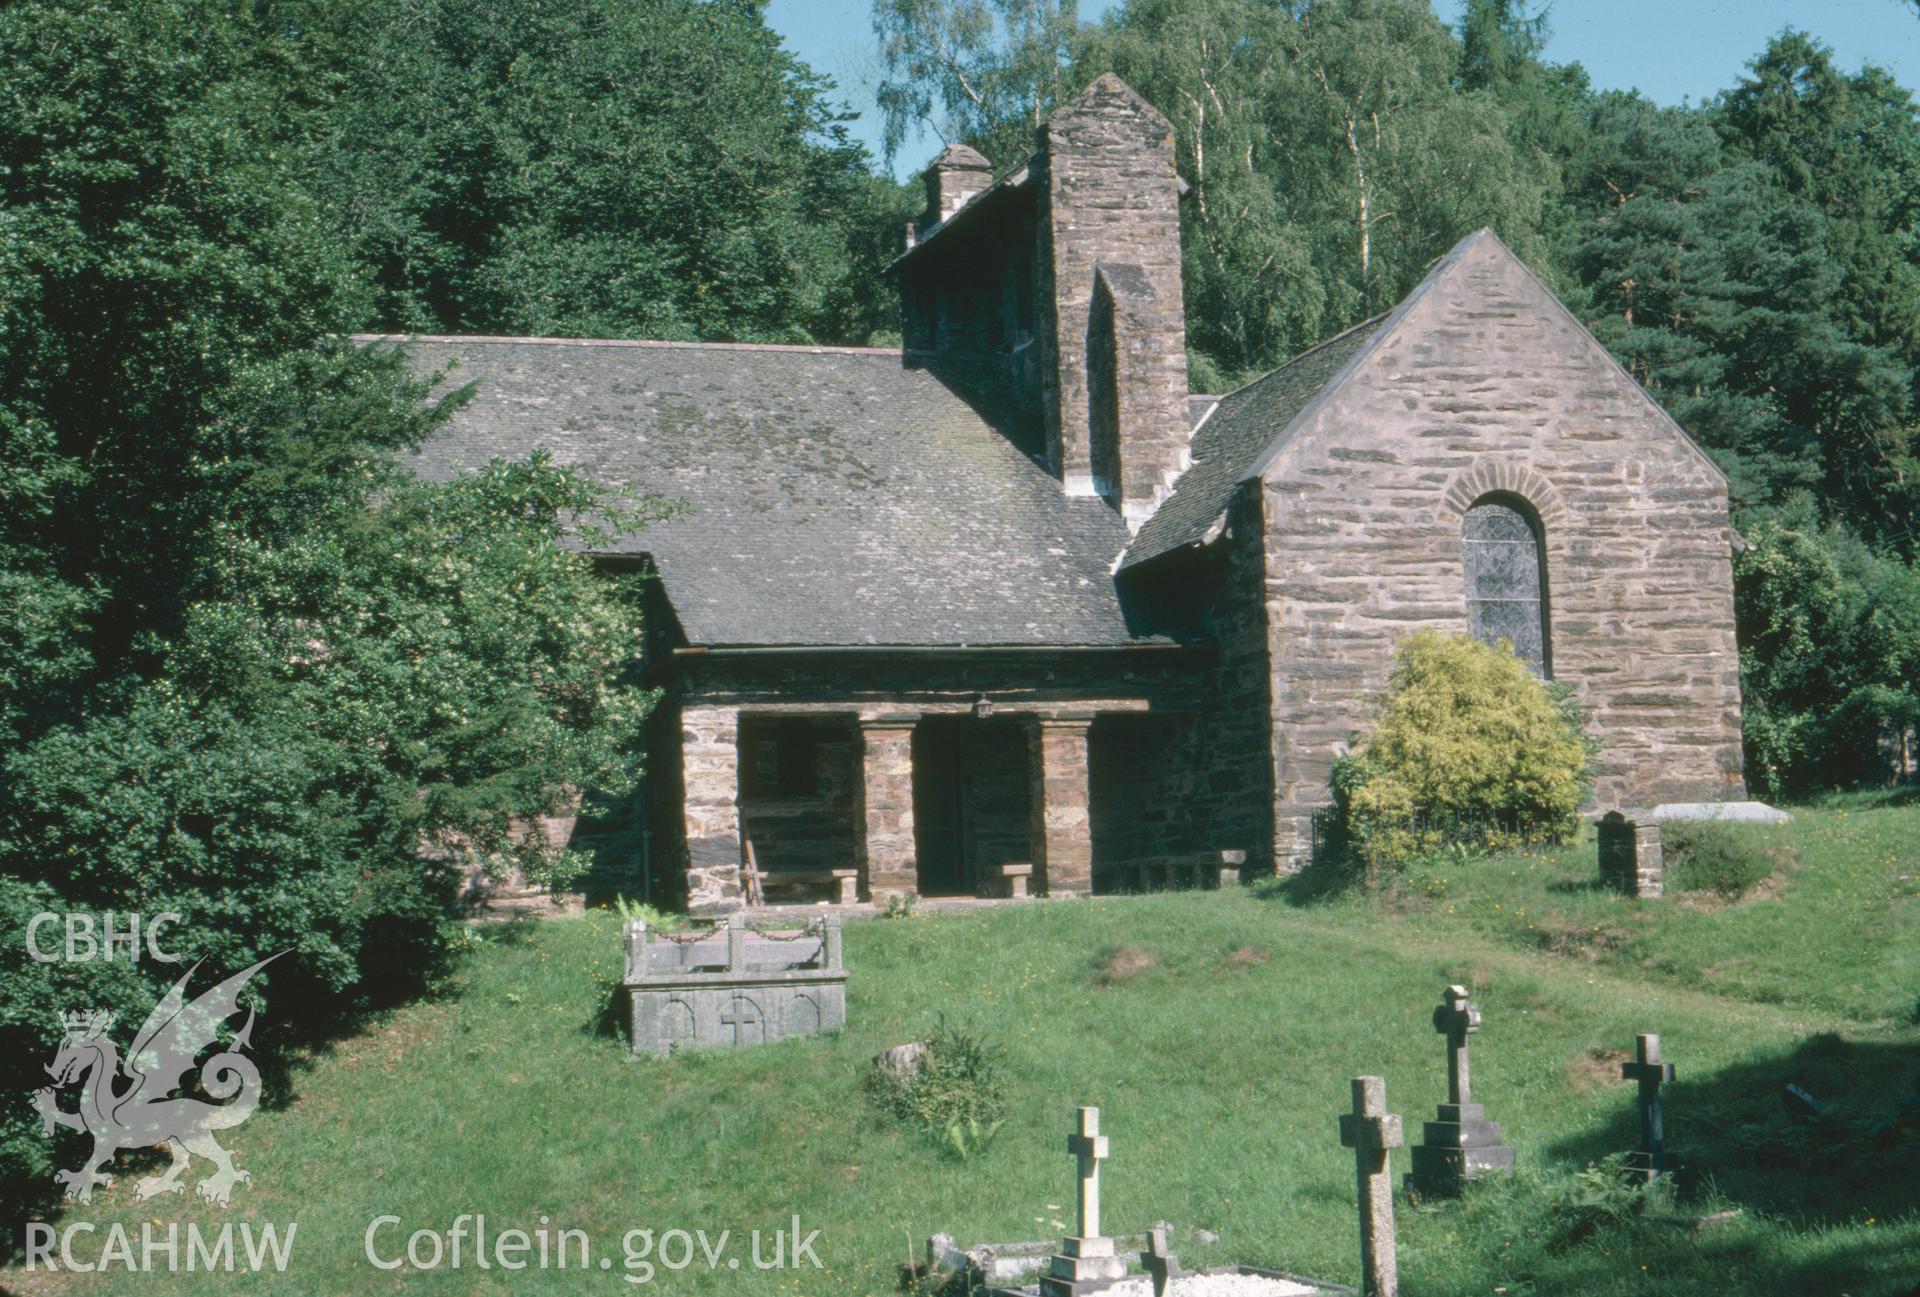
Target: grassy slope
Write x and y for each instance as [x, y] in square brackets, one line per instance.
[1219, 1075]
[1842, 942]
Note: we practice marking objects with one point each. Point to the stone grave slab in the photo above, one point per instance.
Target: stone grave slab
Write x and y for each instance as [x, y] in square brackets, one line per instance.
[1740, 812]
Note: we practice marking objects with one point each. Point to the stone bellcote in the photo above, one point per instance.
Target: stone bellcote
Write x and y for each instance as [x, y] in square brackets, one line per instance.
[1064, 276]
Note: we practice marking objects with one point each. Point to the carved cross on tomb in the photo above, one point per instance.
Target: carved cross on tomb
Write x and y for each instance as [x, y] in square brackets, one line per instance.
[744, 1017]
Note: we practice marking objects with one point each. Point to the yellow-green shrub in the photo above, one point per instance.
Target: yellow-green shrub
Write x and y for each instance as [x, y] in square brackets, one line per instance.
[1469, 746]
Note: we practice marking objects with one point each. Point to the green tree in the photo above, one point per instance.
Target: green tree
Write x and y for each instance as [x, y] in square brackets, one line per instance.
[1331, 160]
[227, 687]
[1848, 147]
[1721, 293]
[983, 71]
[1829, 656]
[660, 170]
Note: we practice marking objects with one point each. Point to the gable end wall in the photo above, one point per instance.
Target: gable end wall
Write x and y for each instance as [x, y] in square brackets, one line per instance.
[1486, 385]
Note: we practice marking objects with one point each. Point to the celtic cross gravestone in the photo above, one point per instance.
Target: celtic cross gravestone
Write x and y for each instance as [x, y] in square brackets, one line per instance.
[1460, 1144]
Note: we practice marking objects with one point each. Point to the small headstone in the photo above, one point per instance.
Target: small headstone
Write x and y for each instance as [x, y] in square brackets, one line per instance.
[1087, 1261]
[1371, 1132]
[1631, 857]
[1461, 1145]
[1651, 1160]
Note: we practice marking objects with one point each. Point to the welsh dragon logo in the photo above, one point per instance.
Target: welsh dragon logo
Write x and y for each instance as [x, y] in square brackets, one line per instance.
[144, 1112]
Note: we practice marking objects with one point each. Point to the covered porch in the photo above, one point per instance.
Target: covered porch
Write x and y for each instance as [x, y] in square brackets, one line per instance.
[860, 804]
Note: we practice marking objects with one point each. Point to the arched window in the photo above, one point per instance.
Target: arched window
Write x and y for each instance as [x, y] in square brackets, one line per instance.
[1506, 579]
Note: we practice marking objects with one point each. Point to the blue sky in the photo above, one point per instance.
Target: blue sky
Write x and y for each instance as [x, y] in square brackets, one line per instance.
[1670, 50]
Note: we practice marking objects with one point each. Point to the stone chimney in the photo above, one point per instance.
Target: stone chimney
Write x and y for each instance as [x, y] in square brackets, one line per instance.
[1136, 390]
[1113, 325]
[955, 176]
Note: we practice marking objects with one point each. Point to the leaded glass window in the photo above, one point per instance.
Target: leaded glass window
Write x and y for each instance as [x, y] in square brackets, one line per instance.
[1506, 592]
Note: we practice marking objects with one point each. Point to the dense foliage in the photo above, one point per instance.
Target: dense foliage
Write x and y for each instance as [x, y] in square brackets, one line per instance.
[1829, 658]
[658, 170]
[1468, 747]
[228, 689]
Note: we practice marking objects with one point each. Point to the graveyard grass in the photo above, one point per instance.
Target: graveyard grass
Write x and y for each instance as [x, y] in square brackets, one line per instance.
[1217, 1033]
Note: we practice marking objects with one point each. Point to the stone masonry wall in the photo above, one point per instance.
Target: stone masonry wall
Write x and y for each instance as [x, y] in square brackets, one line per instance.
[1106, 172]
[1137, 419]
[973, 297]
[709, 763]
[1215, 774]
[1141, 787]
[1488, 385]
[1234, 801]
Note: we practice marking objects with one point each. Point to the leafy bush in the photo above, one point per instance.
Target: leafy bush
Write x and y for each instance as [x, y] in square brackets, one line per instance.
[1470, 747]
[1707, 856]
[1600, 1197]
[956, 1095]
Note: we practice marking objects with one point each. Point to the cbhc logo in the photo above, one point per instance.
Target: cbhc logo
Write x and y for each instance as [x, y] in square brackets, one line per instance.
[86, 942]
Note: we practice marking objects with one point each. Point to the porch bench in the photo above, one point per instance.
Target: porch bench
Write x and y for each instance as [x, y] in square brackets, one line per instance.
[1201, 869]
[843, 885]
[1227, 872]
[1009, 881]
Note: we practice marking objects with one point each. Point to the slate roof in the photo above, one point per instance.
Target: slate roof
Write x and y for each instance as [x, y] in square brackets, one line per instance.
[834, 496]
[1231, 445]
[1250, 427]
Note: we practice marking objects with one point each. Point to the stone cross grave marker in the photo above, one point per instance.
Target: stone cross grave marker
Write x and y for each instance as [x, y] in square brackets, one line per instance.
[1456, 1018]
[1651, 1159]
[1090, 1147]
[1461, 1144]
[1372, 1132]
[1163, 1265]
[1087, 1261]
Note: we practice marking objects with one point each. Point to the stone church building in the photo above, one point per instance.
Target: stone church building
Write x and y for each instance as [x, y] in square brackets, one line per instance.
[1011, 598]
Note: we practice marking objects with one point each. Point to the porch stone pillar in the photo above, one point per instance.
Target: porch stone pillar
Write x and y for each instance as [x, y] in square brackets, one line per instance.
[886, 807]
[1063, 828]
[710, 766]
